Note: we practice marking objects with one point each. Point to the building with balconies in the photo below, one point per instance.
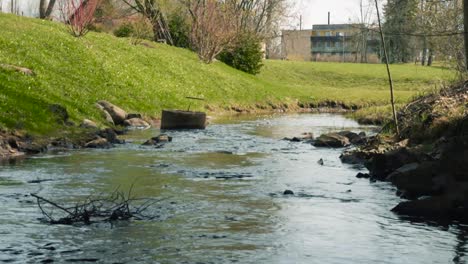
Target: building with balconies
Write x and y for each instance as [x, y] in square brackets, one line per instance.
[332, 42]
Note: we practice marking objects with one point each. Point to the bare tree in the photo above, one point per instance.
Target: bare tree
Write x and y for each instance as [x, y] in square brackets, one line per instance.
[365, 10]
[214, 27]
[153, 12]
[263, 17]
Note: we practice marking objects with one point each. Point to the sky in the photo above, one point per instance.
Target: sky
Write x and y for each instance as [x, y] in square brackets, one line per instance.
[316, 11]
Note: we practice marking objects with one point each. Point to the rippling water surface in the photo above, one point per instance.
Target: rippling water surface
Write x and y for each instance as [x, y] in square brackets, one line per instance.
[223, 202]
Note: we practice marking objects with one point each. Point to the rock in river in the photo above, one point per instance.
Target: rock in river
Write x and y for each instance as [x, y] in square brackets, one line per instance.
[332, 140]
[136, 123]
[98, 143]
[163, 138]
[416, 179]
[354, 138]
[111, 136]
[381, 165]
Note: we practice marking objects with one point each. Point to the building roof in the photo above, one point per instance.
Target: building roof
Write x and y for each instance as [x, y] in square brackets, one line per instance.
[334, 26]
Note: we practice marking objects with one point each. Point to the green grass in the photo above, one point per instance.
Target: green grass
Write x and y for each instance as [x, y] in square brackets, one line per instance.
[359, 84]
[77, 72]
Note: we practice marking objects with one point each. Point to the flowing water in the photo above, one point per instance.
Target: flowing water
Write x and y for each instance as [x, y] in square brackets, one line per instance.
[223, 202]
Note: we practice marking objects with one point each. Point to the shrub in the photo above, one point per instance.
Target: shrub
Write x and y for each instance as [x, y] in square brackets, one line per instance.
[78, 15]
[180, 29]
[124, 31]
[141, 30]
[245, 55]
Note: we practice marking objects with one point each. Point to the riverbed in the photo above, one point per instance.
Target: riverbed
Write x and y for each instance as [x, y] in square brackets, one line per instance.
[222, 201]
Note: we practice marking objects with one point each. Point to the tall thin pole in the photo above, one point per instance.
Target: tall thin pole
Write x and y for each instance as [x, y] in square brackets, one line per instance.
[343, 47]
[465, 22]
[390, 80]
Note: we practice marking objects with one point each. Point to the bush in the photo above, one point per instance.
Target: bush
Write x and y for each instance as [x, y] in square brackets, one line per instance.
[180, 29]
[141, 30]
[245, 55]
[124, 31]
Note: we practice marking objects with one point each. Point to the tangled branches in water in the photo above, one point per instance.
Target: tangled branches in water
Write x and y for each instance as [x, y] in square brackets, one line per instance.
[114, 207]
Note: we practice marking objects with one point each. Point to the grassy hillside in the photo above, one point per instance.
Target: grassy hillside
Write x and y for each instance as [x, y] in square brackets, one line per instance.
[360, 84]
[76, 73]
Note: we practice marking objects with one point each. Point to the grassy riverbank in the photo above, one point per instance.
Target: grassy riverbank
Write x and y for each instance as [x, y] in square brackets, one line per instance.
[76, 73]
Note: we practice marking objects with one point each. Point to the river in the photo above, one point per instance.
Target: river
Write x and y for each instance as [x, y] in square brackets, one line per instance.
[332, 217]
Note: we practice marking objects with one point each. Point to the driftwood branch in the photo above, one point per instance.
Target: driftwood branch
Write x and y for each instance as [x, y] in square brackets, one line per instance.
[116, 206]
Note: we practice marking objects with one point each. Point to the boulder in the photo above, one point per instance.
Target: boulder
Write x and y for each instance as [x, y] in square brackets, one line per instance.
[31, 147]
[88, 124]
[118, 114]
[453, 203]
[416, 179]
[133, 115]
[110, 135]
[98, 143]
[355, 156]
[108, 117]
[305, 137]
[361, 175]
[354, 138]
[155, 141]
[350, 135]
[105, 114]
[136, 123]
[454, 157]
[288, 192]
[8, 149]
[293, 139]
[381, 165]
[332, 140]
[431, 207]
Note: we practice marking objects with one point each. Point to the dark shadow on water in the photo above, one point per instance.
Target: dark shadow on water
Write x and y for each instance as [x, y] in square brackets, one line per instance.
[461, 246]
[460, 230]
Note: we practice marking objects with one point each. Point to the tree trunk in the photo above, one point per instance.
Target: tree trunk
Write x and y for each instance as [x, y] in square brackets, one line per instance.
[424, 52]
[429, 59]
[465, 22]
[42, 8]
[156, 30]
[50, 8]
[45, 10]
[423, 57]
